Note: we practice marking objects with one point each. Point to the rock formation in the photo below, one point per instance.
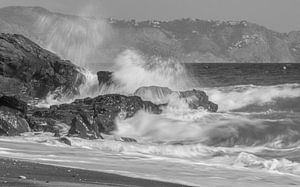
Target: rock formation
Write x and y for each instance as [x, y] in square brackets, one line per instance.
[105, 77]
[30, 71]
[98, 114]
[12, 116]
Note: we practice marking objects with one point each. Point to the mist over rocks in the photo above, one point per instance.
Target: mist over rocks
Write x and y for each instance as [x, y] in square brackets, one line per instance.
[32, 72]
[162, 95]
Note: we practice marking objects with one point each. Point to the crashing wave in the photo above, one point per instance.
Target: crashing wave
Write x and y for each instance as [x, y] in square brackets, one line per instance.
[209, 129]
[133, 70]
[234, 98]
[273, 165]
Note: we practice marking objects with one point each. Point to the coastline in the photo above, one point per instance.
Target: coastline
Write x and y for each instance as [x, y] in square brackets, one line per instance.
[47, 175]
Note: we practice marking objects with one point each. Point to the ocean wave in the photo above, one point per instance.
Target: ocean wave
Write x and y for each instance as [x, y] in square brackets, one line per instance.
[209, 129]
[133, 70]
[273, 165]
[253, 98]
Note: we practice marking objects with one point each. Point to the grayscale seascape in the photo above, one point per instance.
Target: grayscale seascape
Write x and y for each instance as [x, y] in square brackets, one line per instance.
[120, 102]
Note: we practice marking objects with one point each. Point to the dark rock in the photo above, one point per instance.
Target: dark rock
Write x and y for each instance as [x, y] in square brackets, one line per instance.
[12, 116]
[105, 77]
[83, 129]
[91, 116]
[65, 140]
[197, 99]
[125, 139]
[40, 124]
[12, 122]
[13, 102]
[38, 71]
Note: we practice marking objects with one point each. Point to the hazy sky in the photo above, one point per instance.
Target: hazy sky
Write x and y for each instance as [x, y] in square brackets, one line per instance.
[279, 15]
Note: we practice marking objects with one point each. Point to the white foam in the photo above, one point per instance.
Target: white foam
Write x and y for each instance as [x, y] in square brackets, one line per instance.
[273, 165]
[133, 70]
[235, 97]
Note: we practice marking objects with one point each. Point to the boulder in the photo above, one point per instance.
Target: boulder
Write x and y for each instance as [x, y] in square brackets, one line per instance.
[13, 102]
[12, 116]
[33, 70]
[198, 99]
[83, 129]
[65, 140]
[161, 95]
[12, 123]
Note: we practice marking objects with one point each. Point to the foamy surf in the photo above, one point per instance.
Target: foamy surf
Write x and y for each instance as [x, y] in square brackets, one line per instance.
[155, 161]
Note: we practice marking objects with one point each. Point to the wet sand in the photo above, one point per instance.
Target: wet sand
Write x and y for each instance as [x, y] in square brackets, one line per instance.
[41, 175]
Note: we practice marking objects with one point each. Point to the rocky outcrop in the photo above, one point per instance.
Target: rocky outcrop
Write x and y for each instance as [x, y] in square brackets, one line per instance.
[13, 102]
[161, 95]
[81, 127]
[84, 118]
[198, 99]
[91, 116]
[30, 71]
[12, 116]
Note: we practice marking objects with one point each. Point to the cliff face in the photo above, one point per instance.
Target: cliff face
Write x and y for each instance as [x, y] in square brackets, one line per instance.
[186, 40]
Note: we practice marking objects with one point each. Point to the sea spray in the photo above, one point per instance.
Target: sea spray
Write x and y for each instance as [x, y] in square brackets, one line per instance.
[212, 129]
[134, 70]
[238, 97]
[74, 38]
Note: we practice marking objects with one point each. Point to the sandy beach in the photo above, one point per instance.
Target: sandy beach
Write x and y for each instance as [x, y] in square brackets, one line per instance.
[11, 172]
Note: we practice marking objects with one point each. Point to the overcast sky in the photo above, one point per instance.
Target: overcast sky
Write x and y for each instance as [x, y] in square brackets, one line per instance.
[279, 15]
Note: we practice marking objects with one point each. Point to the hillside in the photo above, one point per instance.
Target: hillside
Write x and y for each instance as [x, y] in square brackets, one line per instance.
[185, 40]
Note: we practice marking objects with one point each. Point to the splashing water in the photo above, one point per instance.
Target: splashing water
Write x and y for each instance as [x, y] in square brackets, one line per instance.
[74, 38]
[209, 129]
[134, 71]
[236, 97]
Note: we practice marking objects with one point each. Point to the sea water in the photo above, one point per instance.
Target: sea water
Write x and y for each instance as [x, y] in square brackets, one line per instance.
[253, 140]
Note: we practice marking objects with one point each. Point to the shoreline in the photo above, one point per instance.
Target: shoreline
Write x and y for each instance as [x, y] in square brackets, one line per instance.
[47, 175]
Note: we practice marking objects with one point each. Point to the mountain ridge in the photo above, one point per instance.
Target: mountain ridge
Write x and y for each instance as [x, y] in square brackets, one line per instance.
[184, 40]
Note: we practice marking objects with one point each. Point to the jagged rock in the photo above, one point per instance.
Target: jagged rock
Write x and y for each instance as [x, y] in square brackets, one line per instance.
[35, 70]
[197, 98]
[13, 102]
[12, 116]
[11, 123]
[105, 77]
[40, 124]
[91, 116]
[161, 95]
[84, 129]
